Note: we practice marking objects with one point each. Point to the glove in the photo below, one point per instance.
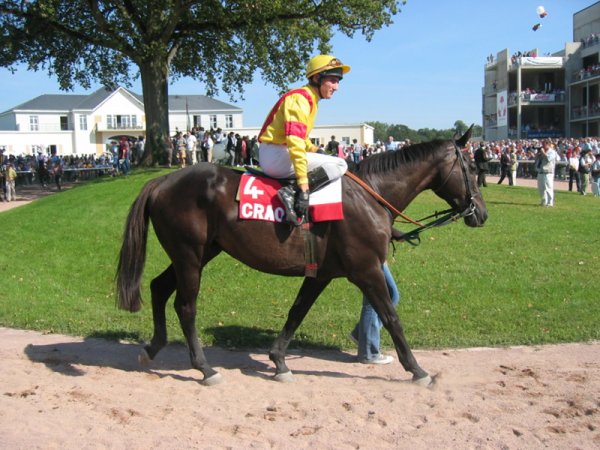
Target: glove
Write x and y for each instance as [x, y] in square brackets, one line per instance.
[301, 205]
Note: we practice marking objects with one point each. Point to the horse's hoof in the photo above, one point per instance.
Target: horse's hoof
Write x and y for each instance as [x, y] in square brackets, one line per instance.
[144, 358]
[213, 380]
[284, 377]
[426, 381]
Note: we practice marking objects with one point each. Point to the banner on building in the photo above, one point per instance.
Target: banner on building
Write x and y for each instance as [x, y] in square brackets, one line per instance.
[502, 109]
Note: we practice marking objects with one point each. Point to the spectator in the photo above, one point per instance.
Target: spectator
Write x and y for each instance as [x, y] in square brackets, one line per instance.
[545, 165]
[356, 151]
[10, 176]
[366, 333]
[332, 147]
[573, 164]
[390, 144]
[482, 156]
[506, 167]
[585, 167]
[596, 176]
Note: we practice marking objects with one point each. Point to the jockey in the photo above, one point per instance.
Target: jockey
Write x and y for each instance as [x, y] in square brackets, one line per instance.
[285, 148]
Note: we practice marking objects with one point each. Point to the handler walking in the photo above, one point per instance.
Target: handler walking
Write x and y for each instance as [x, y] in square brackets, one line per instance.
[285, 147]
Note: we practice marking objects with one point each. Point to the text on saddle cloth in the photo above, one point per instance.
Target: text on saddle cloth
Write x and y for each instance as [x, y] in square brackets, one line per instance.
[258, 200]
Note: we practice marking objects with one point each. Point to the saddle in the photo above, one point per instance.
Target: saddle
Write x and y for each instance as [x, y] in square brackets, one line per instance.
[257, 194]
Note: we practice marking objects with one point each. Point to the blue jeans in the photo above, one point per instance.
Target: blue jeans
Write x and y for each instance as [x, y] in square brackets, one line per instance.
[367, 330]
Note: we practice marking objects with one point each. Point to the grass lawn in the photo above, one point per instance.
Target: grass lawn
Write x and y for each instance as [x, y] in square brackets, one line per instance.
[527, 277]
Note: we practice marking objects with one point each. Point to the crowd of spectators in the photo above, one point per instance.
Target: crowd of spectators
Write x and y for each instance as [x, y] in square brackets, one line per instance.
[592, 39]
[515, 56]
[587, 72]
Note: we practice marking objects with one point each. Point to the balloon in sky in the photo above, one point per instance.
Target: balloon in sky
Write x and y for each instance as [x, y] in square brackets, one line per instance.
[537, 26]
[541, 11]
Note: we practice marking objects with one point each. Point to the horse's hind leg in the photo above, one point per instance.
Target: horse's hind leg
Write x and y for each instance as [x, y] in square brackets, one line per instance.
[309, 291]
[161, 288]
[188, 286]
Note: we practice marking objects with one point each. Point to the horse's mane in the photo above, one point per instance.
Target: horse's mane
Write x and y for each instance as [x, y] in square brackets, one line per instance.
[391, 160]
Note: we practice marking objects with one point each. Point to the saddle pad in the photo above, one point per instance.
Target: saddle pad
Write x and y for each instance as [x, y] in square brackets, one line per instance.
[259, 201]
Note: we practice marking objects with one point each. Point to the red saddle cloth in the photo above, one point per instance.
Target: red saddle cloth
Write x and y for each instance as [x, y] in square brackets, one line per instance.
[259, 201]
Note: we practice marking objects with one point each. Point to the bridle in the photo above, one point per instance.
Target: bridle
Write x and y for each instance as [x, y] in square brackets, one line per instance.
[441, 217]
[447, 215]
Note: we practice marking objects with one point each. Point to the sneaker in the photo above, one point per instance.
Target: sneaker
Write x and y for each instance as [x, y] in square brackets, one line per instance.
[353, 338]
[379, 360]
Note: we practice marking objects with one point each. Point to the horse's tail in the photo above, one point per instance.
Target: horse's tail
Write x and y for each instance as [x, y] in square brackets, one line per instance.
[133, 252]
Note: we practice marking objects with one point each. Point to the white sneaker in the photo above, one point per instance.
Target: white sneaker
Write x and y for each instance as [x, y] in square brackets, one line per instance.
[379, 360]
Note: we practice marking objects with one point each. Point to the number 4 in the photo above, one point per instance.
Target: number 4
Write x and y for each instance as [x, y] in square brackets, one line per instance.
[250, 189]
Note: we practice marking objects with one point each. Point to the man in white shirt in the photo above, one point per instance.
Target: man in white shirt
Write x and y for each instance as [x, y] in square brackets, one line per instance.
[545, 164]
[190, 148]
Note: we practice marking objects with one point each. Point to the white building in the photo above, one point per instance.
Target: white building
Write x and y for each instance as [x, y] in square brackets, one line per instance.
[85, 124]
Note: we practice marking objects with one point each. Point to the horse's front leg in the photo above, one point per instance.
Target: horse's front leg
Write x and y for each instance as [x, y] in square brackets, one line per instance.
[374, 287]
[309, 291]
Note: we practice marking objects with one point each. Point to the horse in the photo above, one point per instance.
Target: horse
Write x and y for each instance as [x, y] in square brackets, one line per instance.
[194, 213]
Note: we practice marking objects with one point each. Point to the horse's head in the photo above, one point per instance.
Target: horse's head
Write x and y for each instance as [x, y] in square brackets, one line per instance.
[456, 183]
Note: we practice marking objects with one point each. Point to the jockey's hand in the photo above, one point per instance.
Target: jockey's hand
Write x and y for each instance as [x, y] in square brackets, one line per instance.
[301, 205]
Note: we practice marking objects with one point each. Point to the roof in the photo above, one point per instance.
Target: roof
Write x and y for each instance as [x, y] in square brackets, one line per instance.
[69, 102]
[198, 103]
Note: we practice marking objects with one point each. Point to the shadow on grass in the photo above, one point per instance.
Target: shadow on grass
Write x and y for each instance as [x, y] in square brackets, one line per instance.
[71, 358]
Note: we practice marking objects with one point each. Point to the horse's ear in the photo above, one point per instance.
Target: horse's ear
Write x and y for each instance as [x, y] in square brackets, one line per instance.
[462, 142]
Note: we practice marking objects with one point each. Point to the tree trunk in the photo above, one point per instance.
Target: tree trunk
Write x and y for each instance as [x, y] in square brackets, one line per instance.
[155, 89]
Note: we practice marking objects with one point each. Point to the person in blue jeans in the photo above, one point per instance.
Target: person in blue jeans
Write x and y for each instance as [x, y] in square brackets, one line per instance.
[366, 333]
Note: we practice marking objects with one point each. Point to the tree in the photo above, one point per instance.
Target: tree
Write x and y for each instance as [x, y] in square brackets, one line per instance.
[223, 44]
[460, 127]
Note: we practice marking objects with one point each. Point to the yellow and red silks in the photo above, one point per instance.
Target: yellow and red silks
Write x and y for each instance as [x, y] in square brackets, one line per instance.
[289, 123]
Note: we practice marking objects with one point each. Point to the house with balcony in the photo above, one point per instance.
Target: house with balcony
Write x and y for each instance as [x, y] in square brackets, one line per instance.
[86, 124]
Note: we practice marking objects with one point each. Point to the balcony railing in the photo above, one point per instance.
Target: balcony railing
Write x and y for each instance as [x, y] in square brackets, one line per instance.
[115, 127]
[582, 112]
[534, 97]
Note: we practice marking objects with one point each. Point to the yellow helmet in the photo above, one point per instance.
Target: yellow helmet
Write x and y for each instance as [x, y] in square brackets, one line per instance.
[326, 65]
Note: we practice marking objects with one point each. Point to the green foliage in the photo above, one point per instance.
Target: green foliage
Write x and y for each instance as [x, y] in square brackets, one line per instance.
[221, 44]
[526, 277]
[402, 132]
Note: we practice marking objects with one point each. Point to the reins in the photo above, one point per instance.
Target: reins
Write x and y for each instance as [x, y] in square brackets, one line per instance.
[447, 216]
[380, 199]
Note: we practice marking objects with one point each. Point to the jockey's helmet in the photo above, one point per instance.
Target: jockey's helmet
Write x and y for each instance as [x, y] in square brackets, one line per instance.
[326, 66]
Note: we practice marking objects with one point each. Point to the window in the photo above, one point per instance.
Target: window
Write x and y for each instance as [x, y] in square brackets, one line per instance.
[213, 121]
[228, 121]
[34, 123]
[118, 121]
[83, 122]
[124, 122]
[197, 122]
[64, 123]
[346, 140]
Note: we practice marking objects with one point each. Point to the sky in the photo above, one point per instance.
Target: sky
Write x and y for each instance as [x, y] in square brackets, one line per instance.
[426, 70]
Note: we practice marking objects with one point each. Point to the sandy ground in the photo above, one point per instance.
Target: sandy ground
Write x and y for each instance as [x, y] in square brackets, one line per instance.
[61, 392]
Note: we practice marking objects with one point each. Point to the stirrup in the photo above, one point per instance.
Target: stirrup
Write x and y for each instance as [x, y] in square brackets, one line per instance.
[287, 195]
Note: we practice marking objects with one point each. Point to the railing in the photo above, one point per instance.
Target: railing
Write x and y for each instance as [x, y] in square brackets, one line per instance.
[526, 169]
[580, 112]
[558, 97]
[26, 177]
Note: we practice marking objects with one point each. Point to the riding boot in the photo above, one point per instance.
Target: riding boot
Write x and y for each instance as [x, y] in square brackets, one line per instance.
[287, 195]
[317, 179]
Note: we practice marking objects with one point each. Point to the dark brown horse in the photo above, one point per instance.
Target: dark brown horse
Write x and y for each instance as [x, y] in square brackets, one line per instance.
[195, 216]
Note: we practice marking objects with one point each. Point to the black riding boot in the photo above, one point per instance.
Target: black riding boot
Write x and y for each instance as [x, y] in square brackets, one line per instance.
[287, 195]
[317, 178]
